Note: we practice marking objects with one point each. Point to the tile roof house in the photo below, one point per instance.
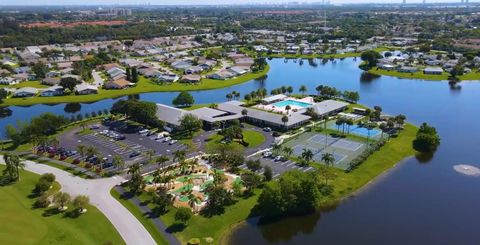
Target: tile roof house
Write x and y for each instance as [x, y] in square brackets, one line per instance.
[117, 84]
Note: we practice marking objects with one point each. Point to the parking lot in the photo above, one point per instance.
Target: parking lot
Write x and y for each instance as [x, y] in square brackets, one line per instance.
[278, 167]
[131, 147]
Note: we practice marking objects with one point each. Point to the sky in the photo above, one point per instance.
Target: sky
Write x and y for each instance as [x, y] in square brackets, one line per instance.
[186, 2]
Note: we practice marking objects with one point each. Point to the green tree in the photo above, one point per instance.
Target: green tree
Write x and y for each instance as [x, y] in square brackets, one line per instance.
[190, 124]
[303, 89]
[254, 165]
[183, 215]
[136, 181]
[267, 173]
[251, 181]
[328, 159]
[13, 165]
[183, 99]
[80, 202]
[69, 83]
[118, 162]
[61, 199]
[371, 57]
[307, 156]
[427, 139]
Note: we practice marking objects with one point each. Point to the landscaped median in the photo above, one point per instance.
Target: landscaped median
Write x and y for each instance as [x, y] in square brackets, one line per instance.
[144, 85]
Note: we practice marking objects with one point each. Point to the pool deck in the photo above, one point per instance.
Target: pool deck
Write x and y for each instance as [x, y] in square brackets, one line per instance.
[293, 108]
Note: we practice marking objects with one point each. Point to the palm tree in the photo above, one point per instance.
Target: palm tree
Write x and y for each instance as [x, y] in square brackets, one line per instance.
[339, 122]
[383, 128]
[81, 150]
[150, 153]
[319, 89]
[244, 112]
[349, 123]
[303, 89]
[161, 160]
[91, 151]
[369, 127]
[157, 176]
[192, 200]
[13, 165]
[118, 162]
[276, 149]
[179, 155]
[288, 108]
[290, 89]
[328, 159]
[288, 151]
[307, 155]
[285, 120]
[134, 169]
[193, 163]
[229, 96]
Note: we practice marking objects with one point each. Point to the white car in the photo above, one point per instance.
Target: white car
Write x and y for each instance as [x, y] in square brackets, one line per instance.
[167, 139]
[278, 158]
[143, 131]
[267, 154]
[159, 136]
[172, 142]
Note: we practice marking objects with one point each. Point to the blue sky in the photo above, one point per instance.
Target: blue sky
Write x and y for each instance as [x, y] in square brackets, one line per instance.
[178, 2]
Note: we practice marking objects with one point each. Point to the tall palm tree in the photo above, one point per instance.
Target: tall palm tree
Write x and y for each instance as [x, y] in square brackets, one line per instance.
[285, 120]
[307, 155]
[193, 163]
[134, 169]
[349, 124]
[161, 160]
[150, 153]
[288, 151]
[179, 155]
[369, 127]
[118, 162]
[91, 151]
[276, 149]
[303, 89]
[328, 159]
[81, 150]
[288, 108]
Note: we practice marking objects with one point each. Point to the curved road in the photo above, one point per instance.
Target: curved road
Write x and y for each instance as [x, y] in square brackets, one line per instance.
[131, 230]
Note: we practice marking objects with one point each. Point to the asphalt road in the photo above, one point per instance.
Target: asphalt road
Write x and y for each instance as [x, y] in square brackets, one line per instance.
[98, 190]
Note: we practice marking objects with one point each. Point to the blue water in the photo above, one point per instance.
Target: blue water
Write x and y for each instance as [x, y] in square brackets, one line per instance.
[421, 201]
[292, 102]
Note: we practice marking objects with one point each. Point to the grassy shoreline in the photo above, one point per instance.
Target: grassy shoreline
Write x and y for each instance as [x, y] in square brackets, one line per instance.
[144, 85]
[474, 75]
[324, 56]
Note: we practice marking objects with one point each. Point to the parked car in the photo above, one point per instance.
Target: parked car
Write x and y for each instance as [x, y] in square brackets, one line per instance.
[172, 142]
[167, 139]
[94, 126]
[267, 129]
[134, 154]
[267, 154]
[143, 131]
[278, 158]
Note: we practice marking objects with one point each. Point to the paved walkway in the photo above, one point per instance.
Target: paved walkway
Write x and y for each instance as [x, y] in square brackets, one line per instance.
[98, 190]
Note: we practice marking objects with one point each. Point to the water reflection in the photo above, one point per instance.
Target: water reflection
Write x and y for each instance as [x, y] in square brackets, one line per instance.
[72, 107]
[286, 229]
[367, 77]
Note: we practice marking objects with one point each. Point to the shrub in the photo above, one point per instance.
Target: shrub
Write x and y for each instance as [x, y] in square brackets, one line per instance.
[194, 241]
[42, 201]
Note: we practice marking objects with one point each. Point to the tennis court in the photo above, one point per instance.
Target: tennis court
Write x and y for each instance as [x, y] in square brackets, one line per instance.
[343, 150]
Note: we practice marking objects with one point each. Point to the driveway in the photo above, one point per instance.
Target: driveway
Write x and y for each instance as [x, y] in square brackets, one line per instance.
[98, 190]
[97, 79]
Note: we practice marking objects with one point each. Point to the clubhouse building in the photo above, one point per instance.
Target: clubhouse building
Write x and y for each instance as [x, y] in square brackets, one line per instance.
[236, 110]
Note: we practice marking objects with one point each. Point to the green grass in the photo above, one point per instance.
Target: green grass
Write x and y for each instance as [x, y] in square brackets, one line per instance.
[147, 223]
[21, 224]
[396, 150]
[33, 84]
[198, 226]
[324, 56]
[474, 75]
[253, 138]
[144, 85]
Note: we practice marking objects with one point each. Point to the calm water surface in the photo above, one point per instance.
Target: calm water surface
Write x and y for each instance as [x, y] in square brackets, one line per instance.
[419, 202]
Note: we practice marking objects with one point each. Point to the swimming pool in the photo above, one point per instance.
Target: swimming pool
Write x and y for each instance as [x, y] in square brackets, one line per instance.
[291, 103]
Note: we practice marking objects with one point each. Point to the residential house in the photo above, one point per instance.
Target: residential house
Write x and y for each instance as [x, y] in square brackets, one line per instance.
[117, 84]
[51, 81]
[52, 91]
[191, 78]
[25, 92]
[86, 89]
[167, 77]
[433, 70]
[8, 81]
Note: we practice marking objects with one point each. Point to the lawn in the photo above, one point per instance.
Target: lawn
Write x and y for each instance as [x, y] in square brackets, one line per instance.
[474, 75]
[396, 150]
[253, 138]
[33, 84]
[198, 226]
[144, 85]
[23, 225]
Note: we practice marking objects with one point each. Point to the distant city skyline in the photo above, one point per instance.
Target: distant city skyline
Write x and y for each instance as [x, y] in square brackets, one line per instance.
[204, 2]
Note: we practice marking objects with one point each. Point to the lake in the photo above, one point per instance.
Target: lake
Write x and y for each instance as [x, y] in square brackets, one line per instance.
[422, 201]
